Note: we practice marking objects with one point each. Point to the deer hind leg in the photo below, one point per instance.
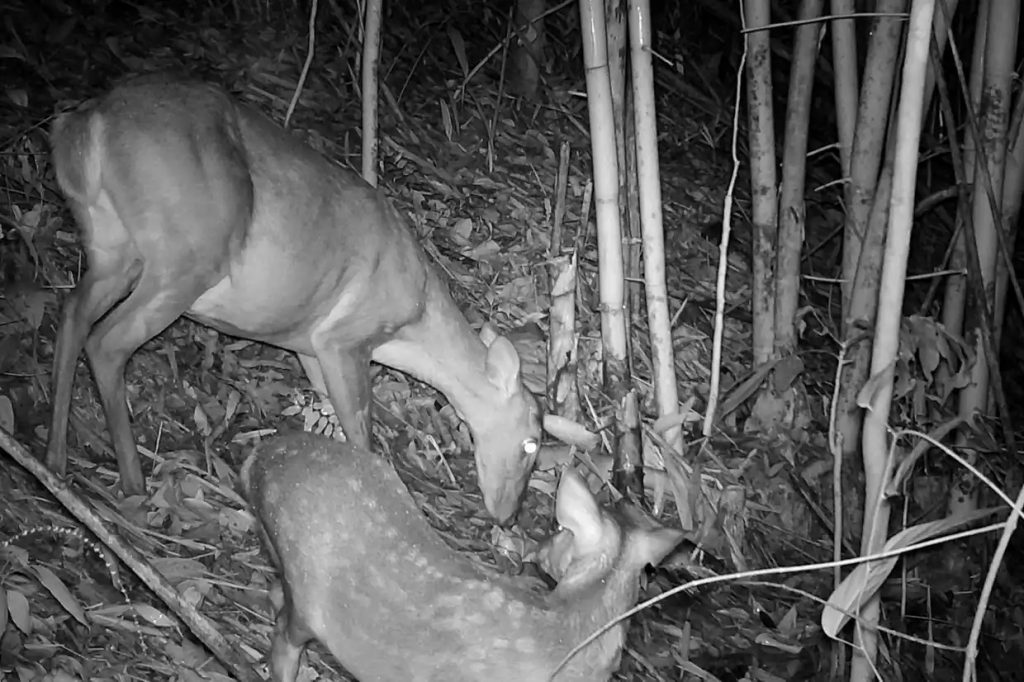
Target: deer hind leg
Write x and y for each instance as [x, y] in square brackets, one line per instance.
[93, 297]
[153, 305]
[113, 273]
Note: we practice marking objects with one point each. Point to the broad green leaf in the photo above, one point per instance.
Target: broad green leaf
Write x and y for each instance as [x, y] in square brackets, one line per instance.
[60, 592]
[21, 614]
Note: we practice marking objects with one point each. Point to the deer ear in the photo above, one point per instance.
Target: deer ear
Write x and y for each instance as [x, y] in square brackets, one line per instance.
[503, 365]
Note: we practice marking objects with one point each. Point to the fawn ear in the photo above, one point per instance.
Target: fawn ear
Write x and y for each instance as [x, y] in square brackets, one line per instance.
[651, 546]
[578, 511]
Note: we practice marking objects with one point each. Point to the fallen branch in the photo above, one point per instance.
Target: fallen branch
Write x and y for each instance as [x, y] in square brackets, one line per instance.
[200, 626]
